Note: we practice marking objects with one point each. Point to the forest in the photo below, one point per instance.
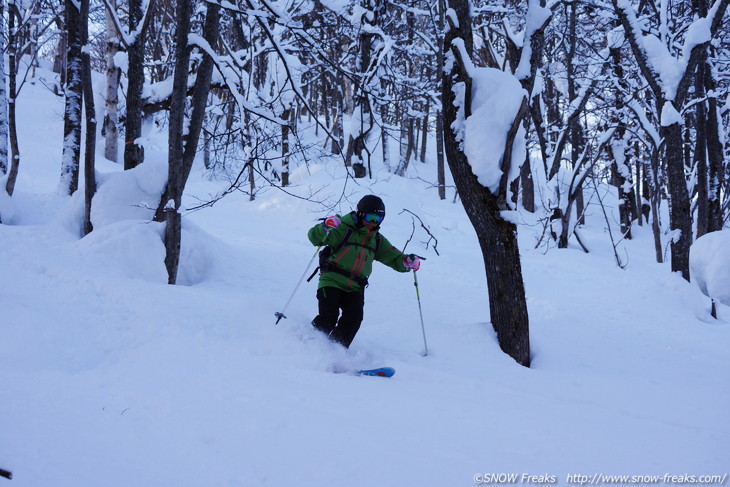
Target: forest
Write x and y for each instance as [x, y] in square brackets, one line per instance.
[628, 94]
[559, 167]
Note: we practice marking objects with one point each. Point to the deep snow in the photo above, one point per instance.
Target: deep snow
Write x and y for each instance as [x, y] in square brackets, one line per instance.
[110, 377]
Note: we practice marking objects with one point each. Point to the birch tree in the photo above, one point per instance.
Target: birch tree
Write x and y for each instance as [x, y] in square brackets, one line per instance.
[111, 98]
[4, 128]
[73, 101]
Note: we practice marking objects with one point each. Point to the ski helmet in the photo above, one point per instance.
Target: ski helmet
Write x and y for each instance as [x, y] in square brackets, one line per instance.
[370, 204]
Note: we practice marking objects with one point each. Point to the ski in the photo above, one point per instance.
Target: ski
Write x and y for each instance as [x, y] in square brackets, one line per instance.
[379, 372]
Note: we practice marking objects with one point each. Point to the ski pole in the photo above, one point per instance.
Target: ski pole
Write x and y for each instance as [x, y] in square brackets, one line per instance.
[280, 314]
[420, 311]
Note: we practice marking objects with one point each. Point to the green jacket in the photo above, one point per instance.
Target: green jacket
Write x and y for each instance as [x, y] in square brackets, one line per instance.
[355, 259]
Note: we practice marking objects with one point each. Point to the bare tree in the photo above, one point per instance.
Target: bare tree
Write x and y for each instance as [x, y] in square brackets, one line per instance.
[138, 22]
[111, 116]
[73, 105]
[4, 129]
[497, 236]
[368, 69]
[182, 148]
[669, 98]
[88, 97]
[12, 97]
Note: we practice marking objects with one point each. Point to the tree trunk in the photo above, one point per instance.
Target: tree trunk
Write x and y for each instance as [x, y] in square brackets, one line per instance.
[111, 119]
[528, 185]
[618, 150]
[497, 237]
[639, 185]
[424, 133]
[575, 131]
[716, 173]
[680, 217]
[359, 140]
[338, 143]
[285, 148]
[652, 191]
[407, 133]
[133, 150]
[59, 59]
[172, 197]
[700, 154]
[12, 96]
[72, 113]
[384, 133]
[440, 163]
[182, 149]
[90, 147]
[4, 129]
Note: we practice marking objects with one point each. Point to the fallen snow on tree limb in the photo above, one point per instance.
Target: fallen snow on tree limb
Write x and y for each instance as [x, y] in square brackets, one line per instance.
[496, 99]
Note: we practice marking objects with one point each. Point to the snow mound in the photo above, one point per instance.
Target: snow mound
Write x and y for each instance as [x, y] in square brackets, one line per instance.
[128, 195]
[127, 249]
[126, 242]
[709, 263]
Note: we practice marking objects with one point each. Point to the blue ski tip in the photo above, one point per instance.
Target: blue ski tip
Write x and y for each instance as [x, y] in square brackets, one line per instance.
[379, 372]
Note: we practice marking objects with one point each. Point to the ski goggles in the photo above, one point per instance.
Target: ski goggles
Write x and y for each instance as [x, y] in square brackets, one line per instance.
[373, 218]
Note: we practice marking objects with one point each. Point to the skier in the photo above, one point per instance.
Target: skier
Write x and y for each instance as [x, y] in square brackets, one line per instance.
[353, 242]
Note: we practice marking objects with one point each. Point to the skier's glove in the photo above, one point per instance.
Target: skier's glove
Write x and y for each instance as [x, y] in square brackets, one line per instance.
[412, 262]
[331, 222]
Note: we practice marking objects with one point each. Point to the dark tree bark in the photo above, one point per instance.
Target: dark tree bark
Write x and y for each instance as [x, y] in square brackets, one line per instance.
[59, 59]
[528, 185]
[575, 131]
[700, 152]
[653, 191]
[171, 201]
[716, 168]
[12, 96]
[497, 237]
[134, 153]
[619, 167]
[182, 149]
[384, 131]
[716, 160]
[357, 145]
[424, 133]
[680, 215]
[440, 162]
[72, 113]
[4, 131]
[90, 146]
[287, 115]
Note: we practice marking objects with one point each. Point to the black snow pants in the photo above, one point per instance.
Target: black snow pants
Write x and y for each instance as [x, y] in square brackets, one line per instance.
[331, 301]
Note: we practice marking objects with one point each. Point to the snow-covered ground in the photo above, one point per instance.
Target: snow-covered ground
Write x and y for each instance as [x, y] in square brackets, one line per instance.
[111, 377]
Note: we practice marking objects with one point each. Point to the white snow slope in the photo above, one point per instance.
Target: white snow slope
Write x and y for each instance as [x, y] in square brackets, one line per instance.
[110, 377]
